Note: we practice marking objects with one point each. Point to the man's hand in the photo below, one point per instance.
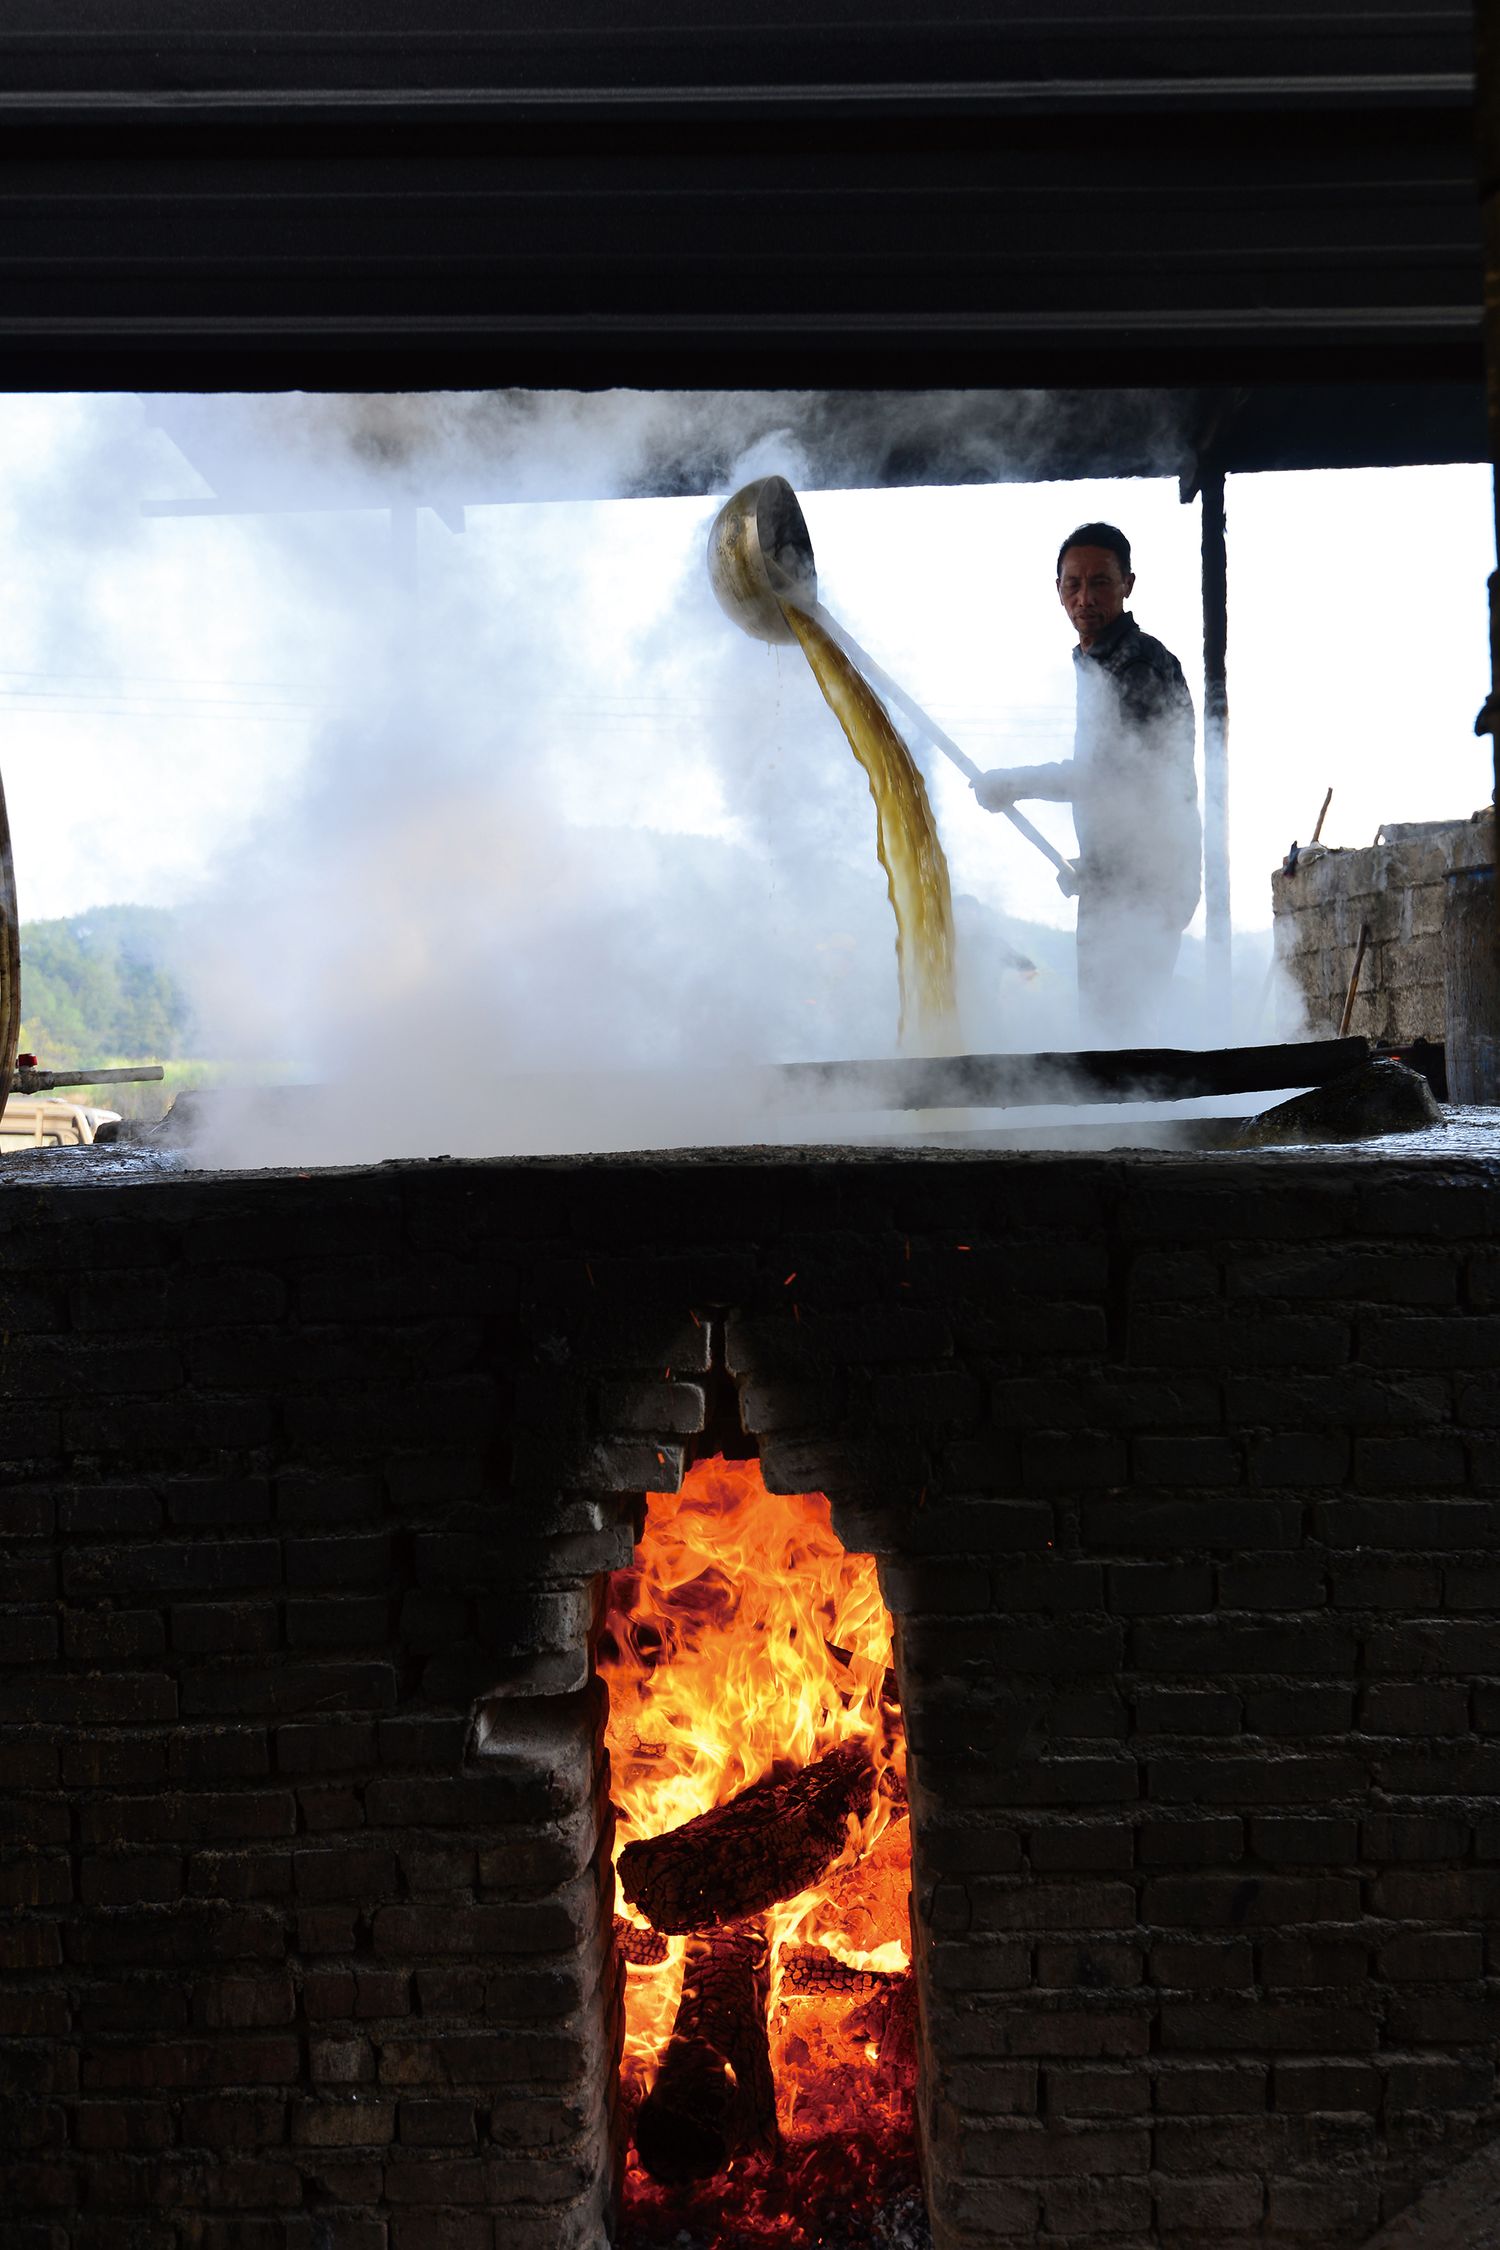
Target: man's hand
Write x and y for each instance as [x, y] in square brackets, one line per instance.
[996, 791]
[1069, 880]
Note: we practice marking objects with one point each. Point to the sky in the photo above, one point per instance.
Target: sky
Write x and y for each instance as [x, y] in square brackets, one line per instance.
[257, 718]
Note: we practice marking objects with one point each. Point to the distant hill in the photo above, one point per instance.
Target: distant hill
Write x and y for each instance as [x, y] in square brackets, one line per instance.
[103, 986]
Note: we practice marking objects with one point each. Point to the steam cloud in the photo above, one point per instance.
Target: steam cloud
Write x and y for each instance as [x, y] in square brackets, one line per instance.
[570, 855]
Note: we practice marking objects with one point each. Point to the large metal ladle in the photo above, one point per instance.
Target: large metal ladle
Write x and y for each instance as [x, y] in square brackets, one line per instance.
[760, 556]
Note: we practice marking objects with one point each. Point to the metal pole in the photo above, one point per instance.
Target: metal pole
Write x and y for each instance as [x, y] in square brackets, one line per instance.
[1487, 116]
[10, 960]
[1216, 754]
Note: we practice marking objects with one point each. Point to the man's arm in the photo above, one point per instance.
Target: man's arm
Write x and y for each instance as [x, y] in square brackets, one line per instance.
[998, 790]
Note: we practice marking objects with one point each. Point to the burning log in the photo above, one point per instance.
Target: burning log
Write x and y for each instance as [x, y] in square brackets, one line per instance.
[767, 1844]
[713, 2098]
[897, 2062]
[643, 1949]
[810, 1973]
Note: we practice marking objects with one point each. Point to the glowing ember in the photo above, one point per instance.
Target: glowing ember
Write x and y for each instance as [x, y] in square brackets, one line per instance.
[744, 1647]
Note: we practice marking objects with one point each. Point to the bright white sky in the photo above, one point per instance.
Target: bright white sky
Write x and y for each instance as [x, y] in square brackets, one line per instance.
[162, 682]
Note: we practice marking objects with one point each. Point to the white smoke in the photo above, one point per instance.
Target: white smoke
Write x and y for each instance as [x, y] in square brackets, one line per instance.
[567, 858]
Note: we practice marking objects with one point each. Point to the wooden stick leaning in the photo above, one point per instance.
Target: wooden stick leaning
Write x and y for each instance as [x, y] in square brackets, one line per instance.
[1350, 997]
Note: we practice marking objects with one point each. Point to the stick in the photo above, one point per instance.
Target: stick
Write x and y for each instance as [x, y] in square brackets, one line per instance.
[1359, 955]
[713, 2098]
[890, 1686]
[1327, 801]
[767, 1844]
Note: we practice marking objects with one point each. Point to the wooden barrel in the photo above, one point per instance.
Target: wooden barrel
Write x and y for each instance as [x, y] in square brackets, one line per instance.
[10, 959]
[1471, 986]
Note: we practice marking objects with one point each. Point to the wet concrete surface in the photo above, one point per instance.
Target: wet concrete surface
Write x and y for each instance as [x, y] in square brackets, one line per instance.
[113, 1165]
[1464, 1134]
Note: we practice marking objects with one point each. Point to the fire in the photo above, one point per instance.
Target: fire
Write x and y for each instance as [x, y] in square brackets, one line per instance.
[743, 1646]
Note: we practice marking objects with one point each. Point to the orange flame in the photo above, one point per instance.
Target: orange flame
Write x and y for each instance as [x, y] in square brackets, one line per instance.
[746, 1640]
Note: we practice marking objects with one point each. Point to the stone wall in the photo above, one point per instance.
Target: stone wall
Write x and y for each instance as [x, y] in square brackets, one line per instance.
[1185, 1480]
[1398, 887]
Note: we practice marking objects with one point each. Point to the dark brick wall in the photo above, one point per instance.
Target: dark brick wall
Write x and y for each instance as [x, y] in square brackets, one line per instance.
[1185, 1477]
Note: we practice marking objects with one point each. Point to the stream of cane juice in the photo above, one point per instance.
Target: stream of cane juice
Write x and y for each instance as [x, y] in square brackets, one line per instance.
[905, 838]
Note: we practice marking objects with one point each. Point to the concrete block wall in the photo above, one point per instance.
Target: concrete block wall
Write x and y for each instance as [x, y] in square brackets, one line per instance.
[1185, 1480]
[1397, 886]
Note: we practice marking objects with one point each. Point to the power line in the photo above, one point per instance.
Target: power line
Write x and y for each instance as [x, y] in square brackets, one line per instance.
[171, 679]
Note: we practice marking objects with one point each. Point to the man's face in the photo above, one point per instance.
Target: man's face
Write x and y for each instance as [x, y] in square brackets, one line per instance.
[1093, 590]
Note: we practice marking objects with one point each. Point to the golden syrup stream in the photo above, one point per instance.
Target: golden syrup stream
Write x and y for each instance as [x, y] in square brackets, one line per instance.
[906, 839]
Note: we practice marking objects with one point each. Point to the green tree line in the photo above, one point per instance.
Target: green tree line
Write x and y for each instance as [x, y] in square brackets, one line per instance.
[102, 986]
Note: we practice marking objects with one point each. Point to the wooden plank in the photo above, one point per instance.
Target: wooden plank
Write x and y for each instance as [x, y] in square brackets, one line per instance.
[1125, 1074]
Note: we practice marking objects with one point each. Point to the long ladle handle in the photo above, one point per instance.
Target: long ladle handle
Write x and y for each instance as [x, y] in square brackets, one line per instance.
[894, 693]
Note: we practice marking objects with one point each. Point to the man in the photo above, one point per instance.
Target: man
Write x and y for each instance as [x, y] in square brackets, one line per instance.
[1134, 796]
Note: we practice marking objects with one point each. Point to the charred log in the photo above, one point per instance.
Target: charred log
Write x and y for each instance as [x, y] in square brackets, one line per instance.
[713, 2099]
[896, 2066]
[807, 1972]
[643, 1949]
[767, 1844]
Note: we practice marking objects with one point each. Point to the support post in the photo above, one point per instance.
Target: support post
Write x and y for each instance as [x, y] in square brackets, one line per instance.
[1487, 116]
[10, 960]
[1216, 754]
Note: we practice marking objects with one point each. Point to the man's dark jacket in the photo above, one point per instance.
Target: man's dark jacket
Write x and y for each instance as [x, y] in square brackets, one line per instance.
[1130, 780]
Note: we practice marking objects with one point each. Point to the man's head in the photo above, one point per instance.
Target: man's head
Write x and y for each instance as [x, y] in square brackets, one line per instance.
[1094, 578]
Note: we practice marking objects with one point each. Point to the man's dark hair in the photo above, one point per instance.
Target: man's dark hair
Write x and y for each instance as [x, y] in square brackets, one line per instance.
[1098, 535]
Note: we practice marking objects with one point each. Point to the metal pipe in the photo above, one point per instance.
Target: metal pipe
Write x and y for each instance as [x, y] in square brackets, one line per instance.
[44, 1081]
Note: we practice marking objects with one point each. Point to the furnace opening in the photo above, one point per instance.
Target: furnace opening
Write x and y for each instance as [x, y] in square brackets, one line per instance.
[763, 1870]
